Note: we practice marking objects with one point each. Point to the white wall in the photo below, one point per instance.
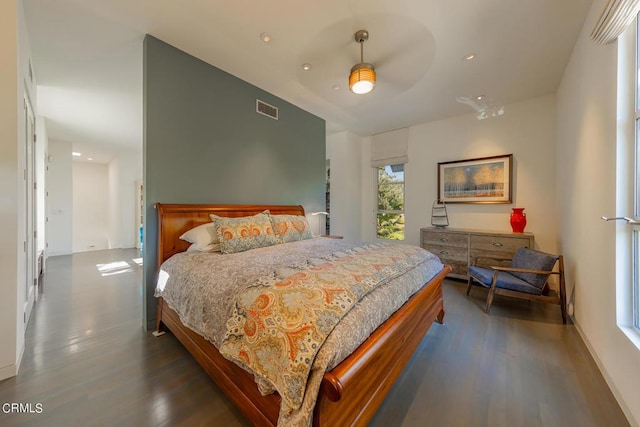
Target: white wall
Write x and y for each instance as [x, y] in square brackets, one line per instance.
[124, 171]
[15, 86]
[586, 189]
[26, 90]
[9, 181]
[90, 207]
[131, 163]
[344, 151]
[66, 182]
[115, 226]
[59, 182]
[527, 130]
[70, 229]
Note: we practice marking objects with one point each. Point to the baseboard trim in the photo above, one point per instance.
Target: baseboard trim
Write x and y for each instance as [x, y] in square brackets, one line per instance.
[8, 372]
[58, 253]
[20, 357]
[625, 409]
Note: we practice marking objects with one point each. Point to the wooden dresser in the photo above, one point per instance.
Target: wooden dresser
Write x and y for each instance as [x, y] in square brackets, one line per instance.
[459, 247]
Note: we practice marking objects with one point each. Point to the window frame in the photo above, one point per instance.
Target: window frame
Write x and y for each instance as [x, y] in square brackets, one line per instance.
[635, 236]
[627, 233]
[393, 211]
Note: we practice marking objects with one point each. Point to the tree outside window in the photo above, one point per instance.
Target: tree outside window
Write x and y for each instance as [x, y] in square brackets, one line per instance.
[390, 216]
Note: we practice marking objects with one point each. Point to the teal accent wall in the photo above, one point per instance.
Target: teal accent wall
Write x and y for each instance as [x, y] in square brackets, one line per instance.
[205, 143]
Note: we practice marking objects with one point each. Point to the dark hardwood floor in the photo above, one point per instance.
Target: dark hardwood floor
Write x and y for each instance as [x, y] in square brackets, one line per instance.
[88, 362]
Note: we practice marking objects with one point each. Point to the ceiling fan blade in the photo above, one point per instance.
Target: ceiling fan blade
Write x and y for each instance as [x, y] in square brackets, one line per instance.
[392, 54]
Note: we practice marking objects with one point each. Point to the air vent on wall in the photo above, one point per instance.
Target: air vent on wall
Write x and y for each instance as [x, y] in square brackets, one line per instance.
[266, 109]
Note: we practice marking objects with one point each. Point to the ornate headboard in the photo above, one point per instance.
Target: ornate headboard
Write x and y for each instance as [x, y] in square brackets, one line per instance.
[174, 220]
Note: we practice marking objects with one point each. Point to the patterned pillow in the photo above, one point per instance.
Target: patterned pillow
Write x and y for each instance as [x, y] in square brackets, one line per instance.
[244, 233]
[291, 228]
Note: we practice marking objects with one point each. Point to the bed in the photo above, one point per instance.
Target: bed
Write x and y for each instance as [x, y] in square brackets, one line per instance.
[350, 392]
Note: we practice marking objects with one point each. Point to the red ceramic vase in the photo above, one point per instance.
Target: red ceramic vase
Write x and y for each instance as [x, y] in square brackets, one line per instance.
[518, 220]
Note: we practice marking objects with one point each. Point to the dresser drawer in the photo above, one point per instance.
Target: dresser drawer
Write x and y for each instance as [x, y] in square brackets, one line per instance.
[460, 248]
[497, 243]
[446, 239]
[448, 253]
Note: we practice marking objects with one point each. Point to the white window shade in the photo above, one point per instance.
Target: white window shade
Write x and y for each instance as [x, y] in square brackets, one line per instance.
[615, 18]
[390, 148]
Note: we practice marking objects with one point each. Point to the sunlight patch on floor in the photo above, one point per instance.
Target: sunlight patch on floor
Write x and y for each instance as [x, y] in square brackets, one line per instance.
[113, 268]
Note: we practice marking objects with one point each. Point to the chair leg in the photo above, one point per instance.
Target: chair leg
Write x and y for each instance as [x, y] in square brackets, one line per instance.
[492, 291]
[489, 301]
[563, 292]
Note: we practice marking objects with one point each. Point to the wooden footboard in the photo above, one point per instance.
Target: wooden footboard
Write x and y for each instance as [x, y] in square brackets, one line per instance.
[351, 393]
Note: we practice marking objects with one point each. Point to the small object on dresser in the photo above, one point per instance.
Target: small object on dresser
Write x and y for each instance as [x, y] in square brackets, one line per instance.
[518, 220]
[439, 216]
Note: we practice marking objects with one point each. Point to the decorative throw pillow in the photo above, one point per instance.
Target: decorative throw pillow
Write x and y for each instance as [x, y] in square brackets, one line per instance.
[244, 233]
[204, 237]
[291, 228]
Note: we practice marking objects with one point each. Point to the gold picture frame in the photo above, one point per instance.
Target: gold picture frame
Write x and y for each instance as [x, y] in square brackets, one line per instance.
[480, 180]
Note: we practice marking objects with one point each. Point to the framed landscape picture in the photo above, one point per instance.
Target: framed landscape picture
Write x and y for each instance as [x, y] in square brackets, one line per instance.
[482, 180]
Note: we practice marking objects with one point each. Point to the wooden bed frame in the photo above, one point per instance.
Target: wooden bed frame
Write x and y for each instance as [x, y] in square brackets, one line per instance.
[349, 394]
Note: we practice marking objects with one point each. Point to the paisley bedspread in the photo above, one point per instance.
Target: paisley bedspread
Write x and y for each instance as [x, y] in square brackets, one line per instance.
[305, 288]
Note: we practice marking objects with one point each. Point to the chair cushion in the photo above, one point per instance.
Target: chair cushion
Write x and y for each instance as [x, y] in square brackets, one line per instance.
[533, 260]
[505, 280]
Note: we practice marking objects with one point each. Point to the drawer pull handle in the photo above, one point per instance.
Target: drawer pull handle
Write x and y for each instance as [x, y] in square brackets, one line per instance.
[497, 244]
[444, 253]
[444, 239]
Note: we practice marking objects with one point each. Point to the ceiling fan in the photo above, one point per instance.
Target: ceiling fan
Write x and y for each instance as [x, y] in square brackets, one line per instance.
[482, 106]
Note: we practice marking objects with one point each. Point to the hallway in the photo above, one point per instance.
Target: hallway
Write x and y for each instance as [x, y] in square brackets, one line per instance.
[89, 362]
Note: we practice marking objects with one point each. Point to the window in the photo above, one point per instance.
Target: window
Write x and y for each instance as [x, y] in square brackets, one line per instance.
[636, 200]
[390, 212]
[627, 229]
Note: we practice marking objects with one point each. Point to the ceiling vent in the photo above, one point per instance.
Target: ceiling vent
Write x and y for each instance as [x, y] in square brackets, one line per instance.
[266, 109]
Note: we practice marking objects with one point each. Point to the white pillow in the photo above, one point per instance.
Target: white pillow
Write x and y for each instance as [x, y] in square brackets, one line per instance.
[212, 248]
[204, 237]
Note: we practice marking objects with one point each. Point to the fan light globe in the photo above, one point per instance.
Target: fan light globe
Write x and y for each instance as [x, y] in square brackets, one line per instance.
[362, 79]
[360, 88]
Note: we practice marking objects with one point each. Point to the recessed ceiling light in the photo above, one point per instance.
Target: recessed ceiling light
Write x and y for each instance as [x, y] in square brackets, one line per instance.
[336, 87]
[480, 97]
[265, 37]
[90, 158]
[306, 66]
[75, 153]
[468, 56]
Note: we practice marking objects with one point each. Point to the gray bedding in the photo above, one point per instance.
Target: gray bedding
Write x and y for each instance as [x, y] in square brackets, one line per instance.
[202, 289]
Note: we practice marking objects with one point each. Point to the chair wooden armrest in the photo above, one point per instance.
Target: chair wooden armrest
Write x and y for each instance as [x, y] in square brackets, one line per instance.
[522, 270]
[488, 258]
